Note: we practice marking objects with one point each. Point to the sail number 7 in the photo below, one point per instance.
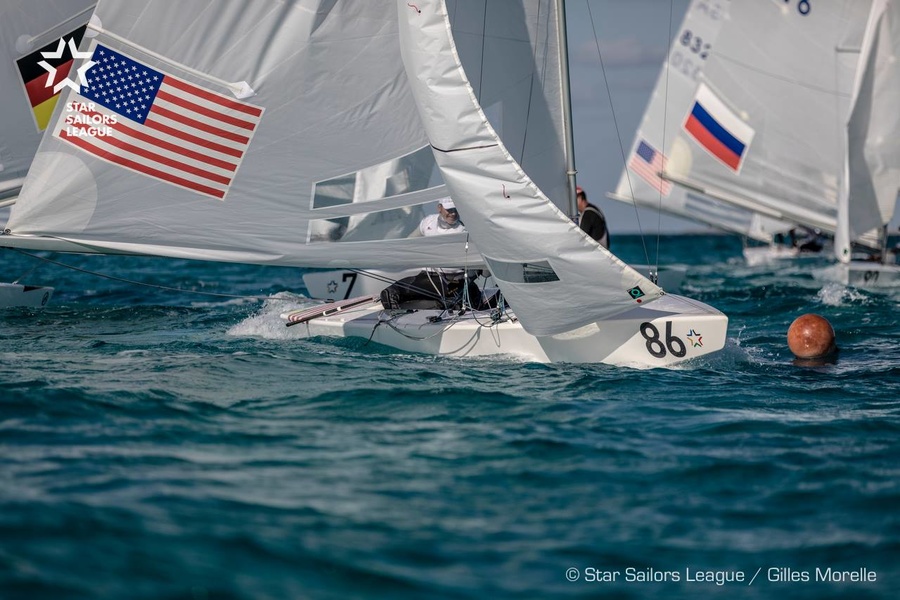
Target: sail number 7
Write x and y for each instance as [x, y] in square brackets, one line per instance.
[655, 345]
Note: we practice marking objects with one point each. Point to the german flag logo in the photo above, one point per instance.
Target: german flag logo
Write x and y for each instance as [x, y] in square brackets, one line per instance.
[34, 77]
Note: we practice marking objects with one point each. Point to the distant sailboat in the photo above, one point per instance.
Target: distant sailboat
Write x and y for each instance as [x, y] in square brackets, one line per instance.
[249, 148]
[660, 143]
[871, 178]
[754, 142]
[811, 122]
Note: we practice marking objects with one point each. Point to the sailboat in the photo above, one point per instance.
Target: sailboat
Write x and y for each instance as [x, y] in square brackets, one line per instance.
[752, 142]
[809, 125]
[660, 140]
[249, 148]
[28, 40]
[871, 177]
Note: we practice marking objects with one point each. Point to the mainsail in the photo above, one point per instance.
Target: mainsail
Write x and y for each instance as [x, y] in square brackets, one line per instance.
[765, 128]
[661, 144]
[332, 171]
[554, 276]
[27, 31]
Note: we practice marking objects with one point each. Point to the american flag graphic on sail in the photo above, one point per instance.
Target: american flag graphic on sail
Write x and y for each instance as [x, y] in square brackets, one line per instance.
[156, 124]
[647, 162]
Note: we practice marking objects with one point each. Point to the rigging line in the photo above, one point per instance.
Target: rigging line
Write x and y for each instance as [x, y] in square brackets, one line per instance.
[133, 282]
[372, 335]
[27, 273]
[449, 322]
[483, 38]
[375, 276]
[407, 286]
[665, 117]
[618, 134]
[534, 61]
[466, 299]
[441, 293]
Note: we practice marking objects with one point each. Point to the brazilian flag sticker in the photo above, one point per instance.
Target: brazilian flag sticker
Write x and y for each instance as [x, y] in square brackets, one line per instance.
[35, 76]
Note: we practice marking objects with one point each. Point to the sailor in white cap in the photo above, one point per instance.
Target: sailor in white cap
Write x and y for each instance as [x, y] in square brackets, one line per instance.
[445, 221]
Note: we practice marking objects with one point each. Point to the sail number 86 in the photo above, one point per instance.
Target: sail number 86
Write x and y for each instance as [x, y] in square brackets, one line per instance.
[656, 347]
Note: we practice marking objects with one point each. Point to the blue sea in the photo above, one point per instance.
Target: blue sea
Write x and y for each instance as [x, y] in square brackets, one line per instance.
[157, 443]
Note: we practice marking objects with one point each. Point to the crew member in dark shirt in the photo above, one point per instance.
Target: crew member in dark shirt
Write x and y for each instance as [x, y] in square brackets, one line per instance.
[592, 221]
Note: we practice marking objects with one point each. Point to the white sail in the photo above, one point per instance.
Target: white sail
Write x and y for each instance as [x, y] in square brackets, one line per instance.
[765, 129]
[292, 134]
[27, 28]
[873, 153]
[660, 139]
[331, 170]
[537, 254]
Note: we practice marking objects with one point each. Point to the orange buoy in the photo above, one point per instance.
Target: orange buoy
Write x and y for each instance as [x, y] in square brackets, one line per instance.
[811, 336]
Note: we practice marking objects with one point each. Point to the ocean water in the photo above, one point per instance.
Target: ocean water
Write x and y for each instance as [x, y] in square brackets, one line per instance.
[162, 444]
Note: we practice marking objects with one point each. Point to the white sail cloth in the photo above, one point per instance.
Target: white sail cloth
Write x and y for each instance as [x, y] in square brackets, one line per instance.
[25, 28]
[873, 129]
[785, 73]
[334, 173]
[554, 276]
[661, 144]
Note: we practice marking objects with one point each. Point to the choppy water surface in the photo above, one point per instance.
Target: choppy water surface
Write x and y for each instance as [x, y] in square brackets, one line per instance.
[159, 444]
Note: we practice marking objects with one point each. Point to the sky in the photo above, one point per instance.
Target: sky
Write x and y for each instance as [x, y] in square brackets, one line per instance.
[633, 37]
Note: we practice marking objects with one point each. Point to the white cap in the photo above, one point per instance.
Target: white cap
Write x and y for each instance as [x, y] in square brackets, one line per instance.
[446, 203]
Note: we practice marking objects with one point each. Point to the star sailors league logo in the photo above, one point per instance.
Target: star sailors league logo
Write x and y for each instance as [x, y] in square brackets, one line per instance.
[63, 80]
[148, 121]
[45, 71]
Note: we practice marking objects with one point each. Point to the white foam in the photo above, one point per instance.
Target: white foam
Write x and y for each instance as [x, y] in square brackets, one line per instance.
[835, 294]
[267, 323]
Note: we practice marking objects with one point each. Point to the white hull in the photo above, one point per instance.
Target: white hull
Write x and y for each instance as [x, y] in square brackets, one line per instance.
[755, 256]
[864, 275]
[14, 294]
[343, 284]
[761, 255]
[671, 330]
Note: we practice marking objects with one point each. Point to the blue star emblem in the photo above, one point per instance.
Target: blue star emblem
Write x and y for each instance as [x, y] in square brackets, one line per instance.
[695, 338]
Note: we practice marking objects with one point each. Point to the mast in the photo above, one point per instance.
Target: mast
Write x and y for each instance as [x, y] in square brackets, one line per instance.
[566, 104]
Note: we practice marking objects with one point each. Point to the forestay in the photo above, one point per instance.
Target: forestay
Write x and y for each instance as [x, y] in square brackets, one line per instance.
[332, 170]
[554, 276]
[662, 145]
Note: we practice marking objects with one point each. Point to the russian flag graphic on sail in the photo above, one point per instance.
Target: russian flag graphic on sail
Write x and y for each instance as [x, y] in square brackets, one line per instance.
[717, 129]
